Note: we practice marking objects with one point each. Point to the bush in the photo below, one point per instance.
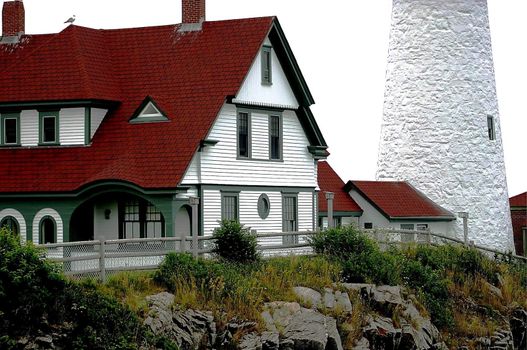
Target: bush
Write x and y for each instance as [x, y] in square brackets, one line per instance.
[371, 267]
[342, 243]
[235, 243]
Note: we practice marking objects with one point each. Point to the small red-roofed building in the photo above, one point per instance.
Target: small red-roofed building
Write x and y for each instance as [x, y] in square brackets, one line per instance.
[518, 206]
[345, 210]
[398, 205]
[113, 134]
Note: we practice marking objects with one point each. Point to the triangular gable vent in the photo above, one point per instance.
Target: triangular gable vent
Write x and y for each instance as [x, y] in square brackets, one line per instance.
[148, 112]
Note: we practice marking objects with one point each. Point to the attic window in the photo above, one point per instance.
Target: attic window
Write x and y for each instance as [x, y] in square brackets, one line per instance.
[148, 112]
[267, 77]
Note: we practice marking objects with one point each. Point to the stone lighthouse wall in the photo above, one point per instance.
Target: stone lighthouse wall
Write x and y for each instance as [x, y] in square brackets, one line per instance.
[440, 92]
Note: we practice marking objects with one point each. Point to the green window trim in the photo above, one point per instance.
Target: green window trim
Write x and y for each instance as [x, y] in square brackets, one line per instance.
[289, 217]
[267, 67]
[263, 206]
[87, 125]
[230, 213]
[276, 137]
[9, 116]
[43, 115]
[148, 112]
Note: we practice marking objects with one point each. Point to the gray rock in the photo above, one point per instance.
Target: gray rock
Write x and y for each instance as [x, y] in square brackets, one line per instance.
[329, 298]
[362, 344]
[518, 323]
[270, 340]
[308, 295]
[250, 341]
[495, 291]
[189, 329]
[425, 334]
[381, 333]
[287, 344]
[305, 328]
[343, 302]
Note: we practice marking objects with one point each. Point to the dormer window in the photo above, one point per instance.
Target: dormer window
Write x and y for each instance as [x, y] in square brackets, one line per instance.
[10, 128]
[148, 112]
[490, 128]
[267, 76]
[49, 128]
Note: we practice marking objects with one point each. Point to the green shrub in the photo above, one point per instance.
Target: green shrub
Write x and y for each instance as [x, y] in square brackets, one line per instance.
[342, 243]
[371, 267]
[434, 289]
[235, 243]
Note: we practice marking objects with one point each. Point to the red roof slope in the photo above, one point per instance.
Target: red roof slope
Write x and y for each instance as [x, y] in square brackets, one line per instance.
[189, 75]
[329, 181]
[519, 200]
[399, 199]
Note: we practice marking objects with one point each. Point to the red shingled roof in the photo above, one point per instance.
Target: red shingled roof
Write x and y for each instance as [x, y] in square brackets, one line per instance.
[519, 200]
[329, 181]
[398, 199]
[189, 75]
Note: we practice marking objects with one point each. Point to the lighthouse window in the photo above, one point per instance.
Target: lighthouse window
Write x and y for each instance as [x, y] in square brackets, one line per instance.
[490, 126]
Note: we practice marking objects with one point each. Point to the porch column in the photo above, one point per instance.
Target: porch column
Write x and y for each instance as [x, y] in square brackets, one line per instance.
[329, 198]
[194, 202]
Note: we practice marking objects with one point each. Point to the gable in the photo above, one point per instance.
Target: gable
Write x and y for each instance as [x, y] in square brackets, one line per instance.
[277, 94]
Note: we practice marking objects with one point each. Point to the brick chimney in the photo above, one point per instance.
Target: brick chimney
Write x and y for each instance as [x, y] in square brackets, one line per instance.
[193, 11]
[13, 20]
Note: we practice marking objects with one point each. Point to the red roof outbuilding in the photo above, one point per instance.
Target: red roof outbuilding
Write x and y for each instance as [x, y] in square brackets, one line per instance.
[398, 199]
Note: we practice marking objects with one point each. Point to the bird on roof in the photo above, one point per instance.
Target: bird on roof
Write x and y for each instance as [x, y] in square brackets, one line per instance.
[71, 19]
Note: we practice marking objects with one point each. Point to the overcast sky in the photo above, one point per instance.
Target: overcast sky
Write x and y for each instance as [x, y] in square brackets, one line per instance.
[341, 47]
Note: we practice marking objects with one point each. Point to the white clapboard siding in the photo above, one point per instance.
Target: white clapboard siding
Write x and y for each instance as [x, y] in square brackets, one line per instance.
[97, 115]
[279, 93]
[219, 163]
[71, 126]
[260, 135]
[248, 212]
[29, 128]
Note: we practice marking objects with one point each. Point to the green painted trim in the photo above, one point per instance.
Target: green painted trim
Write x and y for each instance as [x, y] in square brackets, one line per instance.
[3, 118]
[342, 213]
[281, 135]
[235, 194]
[257, 108]
[310, 126]
[207, 143]
[315, 210]
[422, 218]
[94, 186]
[138, 119]
[238, 188]
[289, 63]
[249, 134]
[266, 50]
[259, 206]
[201, 211]
[57, 104]
[41, 116]
[518, 208]
[87, 125]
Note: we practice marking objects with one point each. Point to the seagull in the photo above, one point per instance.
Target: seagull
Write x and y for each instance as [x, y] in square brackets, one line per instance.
[71, 19]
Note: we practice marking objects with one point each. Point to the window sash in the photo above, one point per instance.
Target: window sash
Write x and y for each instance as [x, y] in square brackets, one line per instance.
[229, 207]
[266, 65]
[141, 219]
[243, 134]
[10, 126]
[275, 139]
[49, 129]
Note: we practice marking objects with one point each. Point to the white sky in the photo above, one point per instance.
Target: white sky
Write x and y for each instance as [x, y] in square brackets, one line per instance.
[341, 47]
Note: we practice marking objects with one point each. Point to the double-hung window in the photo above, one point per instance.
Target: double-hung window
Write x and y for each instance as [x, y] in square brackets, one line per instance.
[243, 135]
[290, 217]
[229, 206]
[10, 128]
[275, 138]
[49, 128]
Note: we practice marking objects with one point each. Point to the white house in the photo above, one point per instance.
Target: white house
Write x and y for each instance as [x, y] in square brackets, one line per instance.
[119, 133]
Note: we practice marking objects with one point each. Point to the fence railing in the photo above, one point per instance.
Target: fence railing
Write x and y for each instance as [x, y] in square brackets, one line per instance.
[102, 257]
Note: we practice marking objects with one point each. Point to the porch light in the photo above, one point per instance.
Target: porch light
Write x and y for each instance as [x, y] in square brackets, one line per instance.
[107, 213]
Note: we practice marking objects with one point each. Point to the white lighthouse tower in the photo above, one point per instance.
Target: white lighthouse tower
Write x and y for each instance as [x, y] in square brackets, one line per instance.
[441, 128]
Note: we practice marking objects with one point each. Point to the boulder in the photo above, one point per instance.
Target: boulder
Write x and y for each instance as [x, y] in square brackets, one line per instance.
[381, 333]
[416, 329]
[304, 328]
[270, 340]
[190, 329]
[518, 323]
[342, 301]
[308, 295]
[250, 341]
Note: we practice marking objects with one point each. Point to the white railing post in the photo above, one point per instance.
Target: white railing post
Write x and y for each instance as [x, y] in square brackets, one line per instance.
[102, 261]
[194, 202]
[464, 216]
